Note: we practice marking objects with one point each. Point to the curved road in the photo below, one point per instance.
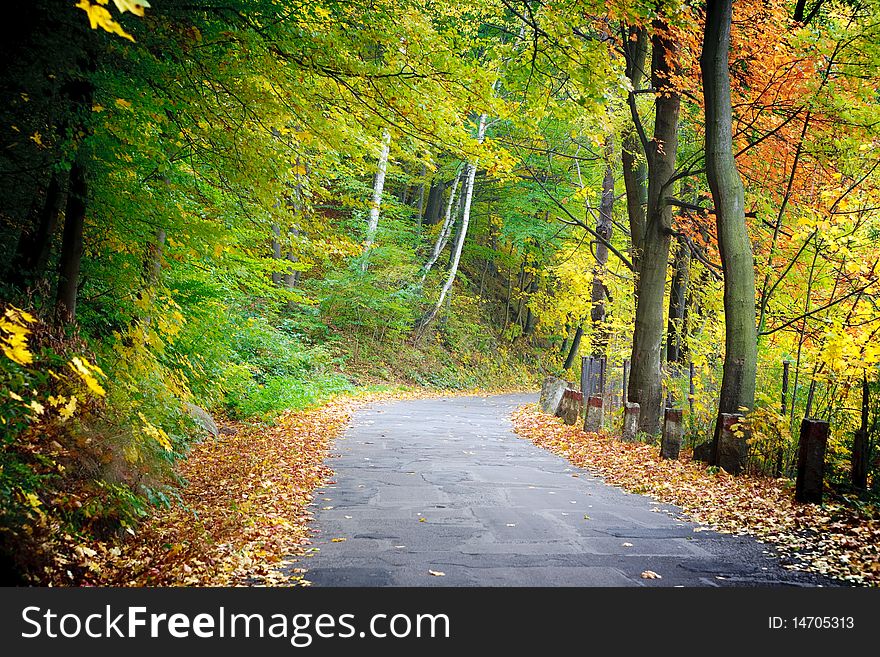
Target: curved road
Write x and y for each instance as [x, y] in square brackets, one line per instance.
[444, 485]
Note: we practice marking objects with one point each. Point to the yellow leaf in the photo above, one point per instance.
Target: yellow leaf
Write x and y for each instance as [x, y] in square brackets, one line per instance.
[121, 102]
[100, 17]
[81, 367]
[68, 409]
[437, 573]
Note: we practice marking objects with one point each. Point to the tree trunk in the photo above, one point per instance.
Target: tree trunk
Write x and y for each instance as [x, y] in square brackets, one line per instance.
[276, 252]
[434, 204]
[33, 248]
[635, 168]
[529, 324]
[448, 221]
[420, 206]
[465, 220]
[861, 445]
[292, 277]
[604, 227]
[563, 349]
[645, 382]
[376, 202]
[737, 262]
[72, 242]
[676, 330]
[575, 348]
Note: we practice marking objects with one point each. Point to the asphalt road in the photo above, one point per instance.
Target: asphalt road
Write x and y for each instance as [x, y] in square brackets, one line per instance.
[445, 485]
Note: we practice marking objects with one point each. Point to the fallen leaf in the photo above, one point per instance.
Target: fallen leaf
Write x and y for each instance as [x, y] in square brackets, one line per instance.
[650, 574]
[437, 573]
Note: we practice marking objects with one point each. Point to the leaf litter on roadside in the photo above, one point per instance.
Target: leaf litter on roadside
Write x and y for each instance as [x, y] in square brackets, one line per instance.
[832, 539]
[243, 517]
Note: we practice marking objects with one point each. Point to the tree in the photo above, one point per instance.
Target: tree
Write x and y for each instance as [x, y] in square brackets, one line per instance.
[645, 375]
[740, 346]
[376, 201]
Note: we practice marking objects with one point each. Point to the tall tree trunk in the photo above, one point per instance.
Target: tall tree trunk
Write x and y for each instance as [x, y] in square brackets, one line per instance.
[376, 202]
[529, 323]
[645, 381]
[452, 207]
[152, 271]
[563, 349]
[72, 241]
[434, 204]
[632, 155]
[276, 252]
[292, 277]
[604, 227]
[420, 206]
[465, 220]
[32, 252]
[457, 226]
[676, 330]
[737, 262]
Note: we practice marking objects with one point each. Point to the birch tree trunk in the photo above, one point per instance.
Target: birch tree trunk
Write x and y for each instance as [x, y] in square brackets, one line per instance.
[734, 245]
[470, 177]
[448, 220]
[376, 202]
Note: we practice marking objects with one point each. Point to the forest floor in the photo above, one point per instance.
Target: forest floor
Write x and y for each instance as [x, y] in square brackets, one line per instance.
[837, 539]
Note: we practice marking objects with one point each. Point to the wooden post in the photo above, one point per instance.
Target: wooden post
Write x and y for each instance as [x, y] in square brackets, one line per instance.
[673, 430]
[811, 461]
[625, 381]
[860, 444]
[732, 443]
